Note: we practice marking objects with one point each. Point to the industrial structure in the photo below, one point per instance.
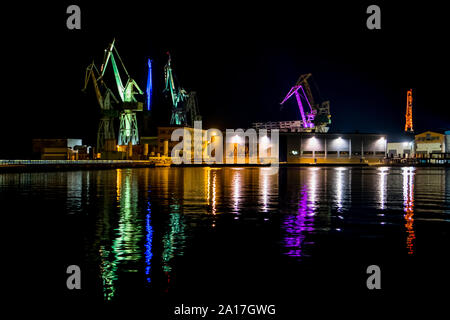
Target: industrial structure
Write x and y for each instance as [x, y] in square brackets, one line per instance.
[282, 126]
[184, 105]
[104, 96]
[314, 116]
[409, 119]
[128, 127]
[332, 148]
[149, 91]
[126, 107]
[60, 149]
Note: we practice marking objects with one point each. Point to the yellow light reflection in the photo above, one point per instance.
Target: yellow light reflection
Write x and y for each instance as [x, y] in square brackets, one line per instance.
[213, 204]
[236, 189]
[408, 203]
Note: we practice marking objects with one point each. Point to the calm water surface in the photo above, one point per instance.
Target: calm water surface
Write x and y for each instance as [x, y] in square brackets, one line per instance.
[233, 233]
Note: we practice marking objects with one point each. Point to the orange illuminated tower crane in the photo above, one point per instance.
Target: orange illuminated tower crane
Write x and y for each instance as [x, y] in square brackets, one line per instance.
[409, 122]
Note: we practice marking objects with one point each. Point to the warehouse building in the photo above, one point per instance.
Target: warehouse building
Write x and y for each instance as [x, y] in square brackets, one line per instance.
[429, 142]
[332, 147]
[59, 149]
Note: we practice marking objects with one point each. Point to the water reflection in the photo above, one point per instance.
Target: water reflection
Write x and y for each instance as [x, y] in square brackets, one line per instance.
[174, 238]
[75, 198]
[148, 243]
[339, 188]
[124, 252]
[236, 188]
[382, 173]
[297, 226]
[408, 203]
[139, 221]
[214, 192]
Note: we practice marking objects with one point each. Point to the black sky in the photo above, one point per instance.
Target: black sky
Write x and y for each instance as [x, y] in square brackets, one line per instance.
[240, 58]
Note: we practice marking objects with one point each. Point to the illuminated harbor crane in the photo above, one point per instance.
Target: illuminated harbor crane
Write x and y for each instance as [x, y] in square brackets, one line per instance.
[184, 105]
[128, 130]
[149, 90]
[409, 121]
[106, 126]
[317, 116]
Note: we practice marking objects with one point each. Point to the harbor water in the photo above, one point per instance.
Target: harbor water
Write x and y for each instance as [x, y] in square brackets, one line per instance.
[232, 235]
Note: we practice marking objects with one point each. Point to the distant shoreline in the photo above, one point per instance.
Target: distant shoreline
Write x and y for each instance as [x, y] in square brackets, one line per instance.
[61, 165]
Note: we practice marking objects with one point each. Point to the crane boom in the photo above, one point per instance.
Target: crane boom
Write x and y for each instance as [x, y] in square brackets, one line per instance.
[303, 80]
[90, 75]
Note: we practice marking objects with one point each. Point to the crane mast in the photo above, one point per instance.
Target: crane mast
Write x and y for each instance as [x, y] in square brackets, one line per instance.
[106, 125]
[409, 120]
[128, 130]
[184, 105]
[178, 95]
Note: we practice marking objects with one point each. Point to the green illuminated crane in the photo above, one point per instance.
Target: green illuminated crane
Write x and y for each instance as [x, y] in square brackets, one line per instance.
[184, 105]
[128, 130]
[106, 126]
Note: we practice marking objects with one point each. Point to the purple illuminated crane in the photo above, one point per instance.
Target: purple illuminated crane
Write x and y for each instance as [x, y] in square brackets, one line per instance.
[307, 118]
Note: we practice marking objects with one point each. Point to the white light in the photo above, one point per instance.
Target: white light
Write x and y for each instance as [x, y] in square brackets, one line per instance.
[236, 139]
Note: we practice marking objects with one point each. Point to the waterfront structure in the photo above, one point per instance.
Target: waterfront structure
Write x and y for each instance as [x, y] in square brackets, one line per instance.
[57, 149]
[165, 144]
[400, 149]
[282, 126]
[429, 142]
[329, 148]
[447, 141]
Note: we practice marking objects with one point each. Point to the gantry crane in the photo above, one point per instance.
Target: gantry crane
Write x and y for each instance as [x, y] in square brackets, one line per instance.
[184, 105]
[128, 130]
[106, 126]
[317, 117]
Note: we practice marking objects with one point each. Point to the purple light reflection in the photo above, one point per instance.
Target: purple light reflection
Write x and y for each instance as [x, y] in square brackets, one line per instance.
[297, 226]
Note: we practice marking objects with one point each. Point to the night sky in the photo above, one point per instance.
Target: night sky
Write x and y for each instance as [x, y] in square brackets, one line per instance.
[241, 60]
